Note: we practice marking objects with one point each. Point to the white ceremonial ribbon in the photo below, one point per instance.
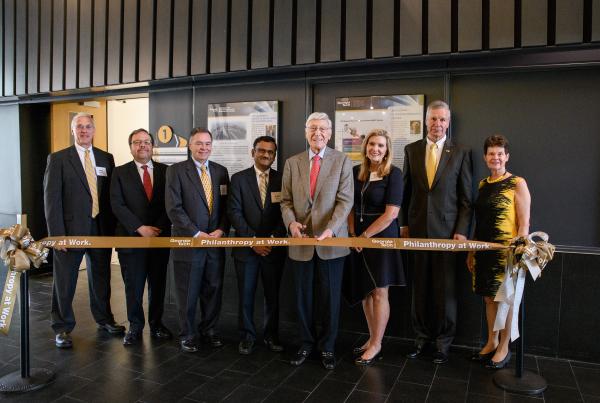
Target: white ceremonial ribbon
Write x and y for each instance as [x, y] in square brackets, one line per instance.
[534, 257]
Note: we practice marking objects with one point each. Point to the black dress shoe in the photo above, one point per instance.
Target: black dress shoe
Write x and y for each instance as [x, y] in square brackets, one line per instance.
[328, 360]
[213, 339]
[366, 362]
[63, 340]
[478, 357]
[299, 357]
[132, 338]
[111, 328]
[161, 332]
[273, 345]
[417, 352]
[188, 346]
[439, 357]
[491, 364]
[246, 346]
[358, 350]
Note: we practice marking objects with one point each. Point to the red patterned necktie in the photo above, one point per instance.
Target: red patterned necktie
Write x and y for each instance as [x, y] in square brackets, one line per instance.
[314, 174]
[147, 182]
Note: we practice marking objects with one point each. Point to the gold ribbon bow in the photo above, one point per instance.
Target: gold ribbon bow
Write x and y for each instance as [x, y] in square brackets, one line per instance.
[18, 251]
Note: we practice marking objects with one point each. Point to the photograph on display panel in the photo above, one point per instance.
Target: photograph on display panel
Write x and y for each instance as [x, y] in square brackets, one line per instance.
[234, 127]
[400, 115]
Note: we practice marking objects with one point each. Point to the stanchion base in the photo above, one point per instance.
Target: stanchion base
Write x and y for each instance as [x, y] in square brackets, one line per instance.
[14, 383]
[529, 384]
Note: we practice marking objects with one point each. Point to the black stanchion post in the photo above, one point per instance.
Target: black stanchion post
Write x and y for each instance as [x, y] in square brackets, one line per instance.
[27, 379]
[521, 381]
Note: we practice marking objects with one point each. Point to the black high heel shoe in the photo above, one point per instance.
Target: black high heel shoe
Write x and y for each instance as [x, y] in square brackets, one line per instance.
[498, 365]
[358, 350]
[478, 357]
[363, 362]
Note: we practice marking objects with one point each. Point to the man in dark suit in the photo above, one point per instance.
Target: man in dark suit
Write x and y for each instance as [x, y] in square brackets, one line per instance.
[196, 201]
[253, 210]
[317, 193]
[76, 202]
[437, 204]
[137, 196]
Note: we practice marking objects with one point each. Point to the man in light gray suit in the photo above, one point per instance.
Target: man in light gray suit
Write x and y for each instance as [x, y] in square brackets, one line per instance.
[316, 198]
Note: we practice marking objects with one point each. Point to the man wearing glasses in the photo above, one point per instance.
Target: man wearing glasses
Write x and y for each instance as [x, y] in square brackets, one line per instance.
[316, 198]
[253, 209]
[76, 203]
[137, 196]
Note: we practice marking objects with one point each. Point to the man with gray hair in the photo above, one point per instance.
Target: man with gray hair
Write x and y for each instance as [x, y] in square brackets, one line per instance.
[76, 203]
[436, 204]
[316, 197]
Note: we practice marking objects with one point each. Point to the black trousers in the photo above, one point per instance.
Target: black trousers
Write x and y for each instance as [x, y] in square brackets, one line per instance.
[434, 298]
[318, 281]
[137, 267]
[66, 271]
[247, 272]
[199, 280]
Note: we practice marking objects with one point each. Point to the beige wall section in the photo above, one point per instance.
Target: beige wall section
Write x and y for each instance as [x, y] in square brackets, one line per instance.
[124, 116]
[61, 123]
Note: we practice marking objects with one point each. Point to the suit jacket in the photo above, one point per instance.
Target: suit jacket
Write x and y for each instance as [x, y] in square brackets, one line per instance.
[130, 203]
[187, 206]
[330, 206]
[445, 209]
[67, 196]
[249, 217]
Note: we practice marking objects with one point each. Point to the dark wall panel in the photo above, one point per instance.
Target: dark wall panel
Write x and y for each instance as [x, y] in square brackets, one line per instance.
[21, 48]
[181, 37]
[200, 36]
[146, 42]
[382, 43]
[411, 22]
[476, 115]
[595, 20]
[71, 38]
[331, 30]
[219, 41]
[260, 36]
[171, 108]
[502, 24]
[569, 21]
[439, 26]
[58, 45]
[306, 31]
[469, 25]
[9, 47]
[33, 47]
[534, 23]
[45, 45]
[356, 29]
[162, 56]
[99, 56]
[130, 37]
[283, 27]
[85, 43]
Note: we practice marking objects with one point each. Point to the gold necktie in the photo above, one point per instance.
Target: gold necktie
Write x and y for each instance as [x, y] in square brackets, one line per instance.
[90, 174]
[262, 187]
[207, 185]
[431, 164]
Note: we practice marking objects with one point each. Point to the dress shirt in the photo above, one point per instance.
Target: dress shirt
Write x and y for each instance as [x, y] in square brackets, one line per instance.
[311, 154]
[81, 153]
[141, 170]
[258, 172]
[440, 146]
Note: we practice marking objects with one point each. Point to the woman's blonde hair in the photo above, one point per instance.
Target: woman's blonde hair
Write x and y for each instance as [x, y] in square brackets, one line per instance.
[386, 164]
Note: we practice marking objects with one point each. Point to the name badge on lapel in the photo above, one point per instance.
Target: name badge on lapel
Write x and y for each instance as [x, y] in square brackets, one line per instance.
[275, 197]
[223, 189]
[101, 171]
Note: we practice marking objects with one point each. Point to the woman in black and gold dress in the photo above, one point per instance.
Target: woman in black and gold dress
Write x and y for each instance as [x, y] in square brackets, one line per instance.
[377, 199]
[501, 214]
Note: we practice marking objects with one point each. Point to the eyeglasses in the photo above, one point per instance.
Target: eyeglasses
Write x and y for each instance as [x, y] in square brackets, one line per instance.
[138, 143]
[263, 151]
[81, 127]
[319, 128]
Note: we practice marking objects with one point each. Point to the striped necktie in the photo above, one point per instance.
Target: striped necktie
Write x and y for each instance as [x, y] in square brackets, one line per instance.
[90, 174]
[207, 185]
[262, 187]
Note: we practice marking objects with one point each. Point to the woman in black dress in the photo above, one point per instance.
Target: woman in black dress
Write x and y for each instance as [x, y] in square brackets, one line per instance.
[377, 199]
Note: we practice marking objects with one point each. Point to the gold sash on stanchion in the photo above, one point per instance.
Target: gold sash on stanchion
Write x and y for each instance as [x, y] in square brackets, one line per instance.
[18, 251]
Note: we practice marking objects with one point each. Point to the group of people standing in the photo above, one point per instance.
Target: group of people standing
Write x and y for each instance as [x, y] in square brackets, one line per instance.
[320, 195]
